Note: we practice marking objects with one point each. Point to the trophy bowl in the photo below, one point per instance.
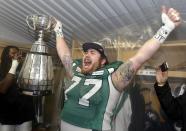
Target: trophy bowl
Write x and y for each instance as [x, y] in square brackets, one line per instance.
[38, 22]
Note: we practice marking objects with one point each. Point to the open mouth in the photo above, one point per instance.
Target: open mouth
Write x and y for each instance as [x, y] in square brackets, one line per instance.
[87, 62]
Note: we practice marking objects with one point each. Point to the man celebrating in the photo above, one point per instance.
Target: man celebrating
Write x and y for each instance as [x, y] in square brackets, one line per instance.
[94, 85]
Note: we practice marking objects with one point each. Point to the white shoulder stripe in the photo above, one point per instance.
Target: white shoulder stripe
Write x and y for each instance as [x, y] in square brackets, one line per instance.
[73, 64]
[110, 70]
[112, 102]
[101, 72]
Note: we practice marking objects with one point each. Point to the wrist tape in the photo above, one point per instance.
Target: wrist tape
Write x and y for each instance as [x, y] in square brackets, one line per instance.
[162, 34]
[165, 30]
[13, 67]
[58, 29]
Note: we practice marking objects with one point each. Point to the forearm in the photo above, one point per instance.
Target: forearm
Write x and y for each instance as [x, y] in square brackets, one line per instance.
[9, 78]
[145, 53]
[63, 49]
[65, 55]
[6, 82]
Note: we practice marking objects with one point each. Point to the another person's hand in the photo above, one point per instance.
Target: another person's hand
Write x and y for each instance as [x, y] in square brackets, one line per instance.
[161, 77]
[18, 57]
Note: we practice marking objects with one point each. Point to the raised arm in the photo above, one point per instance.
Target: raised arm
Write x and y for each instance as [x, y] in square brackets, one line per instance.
[124, 74]
[62, 49]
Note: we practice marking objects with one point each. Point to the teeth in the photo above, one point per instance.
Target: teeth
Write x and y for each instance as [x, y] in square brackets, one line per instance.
[87, 63]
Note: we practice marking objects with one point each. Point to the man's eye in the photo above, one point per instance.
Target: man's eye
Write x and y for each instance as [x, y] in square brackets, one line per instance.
[92, 52]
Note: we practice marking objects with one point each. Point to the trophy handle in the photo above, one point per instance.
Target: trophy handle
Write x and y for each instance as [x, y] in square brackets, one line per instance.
[27, 21]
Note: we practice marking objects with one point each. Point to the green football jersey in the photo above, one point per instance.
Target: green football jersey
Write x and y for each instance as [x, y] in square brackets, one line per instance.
[90, 100]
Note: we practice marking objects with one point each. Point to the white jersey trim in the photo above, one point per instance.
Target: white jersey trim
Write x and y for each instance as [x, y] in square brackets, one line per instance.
[112, 102]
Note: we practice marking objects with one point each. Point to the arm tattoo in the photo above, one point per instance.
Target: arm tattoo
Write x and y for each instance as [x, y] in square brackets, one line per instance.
[125, 72]
[67, 62]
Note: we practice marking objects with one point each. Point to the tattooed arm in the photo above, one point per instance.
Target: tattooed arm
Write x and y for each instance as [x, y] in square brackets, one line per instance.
[124, 74]
[126, 71]
[63, 50]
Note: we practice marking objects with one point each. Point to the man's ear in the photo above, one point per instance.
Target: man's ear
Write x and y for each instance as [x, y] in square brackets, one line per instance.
[103, 61]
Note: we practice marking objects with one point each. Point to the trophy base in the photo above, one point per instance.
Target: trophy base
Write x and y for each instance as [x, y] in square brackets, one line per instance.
[36, 92]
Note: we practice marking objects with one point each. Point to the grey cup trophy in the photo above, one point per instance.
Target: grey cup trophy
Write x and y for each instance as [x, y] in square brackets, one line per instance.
[36, 75]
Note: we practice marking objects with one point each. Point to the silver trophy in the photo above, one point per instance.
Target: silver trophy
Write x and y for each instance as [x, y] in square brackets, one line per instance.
[36, 77]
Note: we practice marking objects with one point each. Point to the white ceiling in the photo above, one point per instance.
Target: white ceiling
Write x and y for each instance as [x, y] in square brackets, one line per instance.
[88, 20]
